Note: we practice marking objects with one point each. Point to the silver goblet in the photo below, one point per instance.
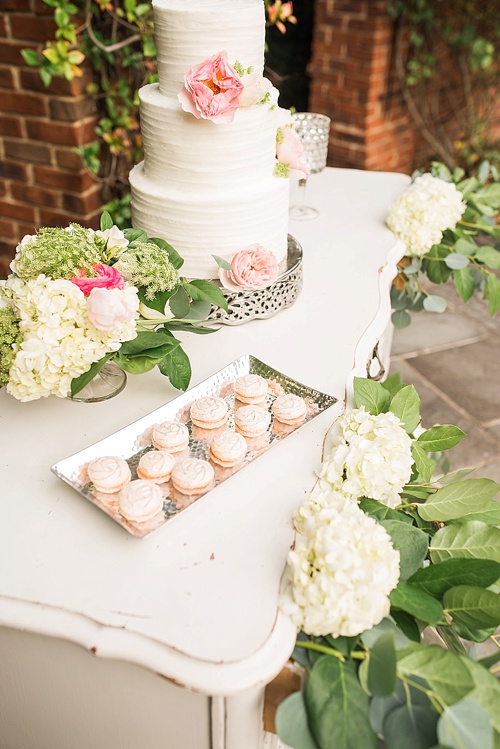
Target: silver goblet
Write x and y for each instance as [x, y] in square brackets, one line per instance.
[314, 131]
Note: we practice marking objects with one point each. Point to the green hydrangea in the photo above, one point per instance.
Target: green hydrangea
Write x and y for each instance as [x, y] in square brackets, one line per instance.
[59, 253]
[147, 266]
[9, 336]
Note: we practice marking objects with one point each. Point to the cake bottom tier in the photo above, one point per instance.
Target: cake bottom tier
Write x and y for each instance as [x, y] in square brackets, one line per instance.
[210, 222]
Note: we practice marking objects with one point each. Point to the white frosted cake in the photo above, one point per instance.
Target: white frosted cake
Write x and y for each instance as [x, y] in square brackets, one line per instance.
[208, 188]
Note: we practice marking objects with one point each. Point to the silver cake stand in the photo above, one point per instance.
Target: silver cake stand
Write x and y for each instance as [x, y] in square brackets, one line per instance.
[260, 304]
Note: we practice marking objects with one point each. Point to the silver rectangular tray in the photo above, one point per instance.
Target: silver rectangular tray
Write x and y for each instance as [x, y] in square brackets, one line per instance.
[134, 440]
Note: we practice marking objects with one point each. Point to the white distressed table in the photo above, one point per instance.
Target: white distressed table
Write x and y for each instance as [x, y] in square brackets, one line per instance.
[113, 642]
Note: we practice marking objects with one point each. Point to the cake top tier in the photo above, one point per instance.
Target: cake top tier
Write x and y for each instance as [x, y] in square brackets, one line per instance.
[190, 31]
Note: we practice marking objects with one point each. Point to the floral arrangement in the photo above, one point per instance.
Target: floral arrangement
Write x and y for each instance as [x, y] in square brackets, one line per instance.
[77, 298]
[279, 13]
[370, 575]
[449, 225]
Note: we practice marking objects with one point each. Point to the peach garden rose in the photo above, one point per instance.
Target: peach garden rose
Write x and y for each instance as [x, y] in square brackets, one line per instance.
[212, 90]
[251, 268]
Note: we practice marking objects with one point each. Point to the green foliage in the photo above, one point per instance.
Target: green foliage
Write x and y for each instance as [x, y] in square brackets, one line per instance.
[468, 255]
[388, 682]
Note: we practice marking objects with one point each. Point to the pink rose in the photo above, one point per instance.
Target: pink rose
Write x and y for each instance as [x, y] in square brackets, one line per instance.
[289, 151]
[211, 90]
[251, 268]
[107, 278]
[108, 308]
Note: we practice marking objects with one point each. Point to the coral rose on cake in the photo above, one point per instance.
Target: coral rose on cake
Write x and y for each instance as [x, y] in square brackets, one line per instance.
[106, 277]
[251, 268]
[212, 90]
[290, 153]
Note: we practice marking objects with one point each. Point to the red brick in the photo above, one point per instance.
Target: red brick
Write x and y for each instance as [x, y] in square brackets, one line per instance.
[10, 52]
[31, 27]
[3, 188]
[30, 79]
[68, 159]
[61, 134]
[35, 195]
[71, 110]
[84, 203]
[41, 9]
[3, 26]
[20, 150]
[22, 103]
[18, 5]
[72, 181]
[56, 218]
[6, 78]
[7, 229]
[11, 126]
[14, 210]
[11, 170]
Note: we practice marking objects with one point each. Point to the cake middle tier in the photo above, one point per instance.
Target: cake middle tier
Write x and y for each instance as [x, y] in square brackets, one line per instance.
[207, 222]
[184, 151]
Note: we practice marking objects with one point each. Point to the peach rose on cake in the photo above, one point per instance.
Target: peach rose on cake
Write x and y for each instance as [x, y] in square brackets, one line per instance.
[251, 268]
[212, 90]
[255, 88]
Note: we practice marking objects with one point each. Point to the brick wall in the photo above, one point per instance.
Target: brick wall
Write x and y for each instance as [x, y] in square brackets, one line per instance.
[353, 82]
[42, 180]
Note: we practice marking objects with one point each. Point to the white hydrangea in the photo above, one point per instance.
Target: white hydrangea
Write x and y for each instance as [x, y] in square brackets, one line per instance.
[370, 457]
[421, 214]
[341, 571]
[59, 342]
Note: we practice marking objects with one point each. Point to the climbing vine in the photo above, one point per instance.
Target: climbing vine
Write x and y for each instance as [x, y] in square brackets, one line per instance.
[446, 60]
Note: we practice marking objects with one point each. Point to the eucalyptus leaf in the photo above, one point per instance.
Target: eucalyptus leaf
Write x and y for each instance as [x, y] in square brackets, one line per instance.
[456, 261]
[490, 195]
[465, 247]
[492, 293]
[452, 478]
[436, 579]
[292, 725]
[405, 404]
[337, 707]
[191, 328]
[370, 394]
[440, 437]
[401, 319]
[465, 725]
[221, 262]
[416, 602]
[406, 624]
[382, 665]
[467, 539]
[176, 366]
[158, 303]
[474, 635]
[444, 671]
[455, 500]
[411, 543]
[464, 283]
[198, 311]
[472, 606]
[435, 303]
[437, 270]
[489, 256]
[370, 636]
[486, 691]
[380, 707]
[410, 727]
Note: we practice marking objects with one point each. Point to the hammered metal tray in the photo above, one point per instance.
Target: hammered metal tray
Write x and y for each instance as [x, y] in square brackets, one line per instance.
[134, 440]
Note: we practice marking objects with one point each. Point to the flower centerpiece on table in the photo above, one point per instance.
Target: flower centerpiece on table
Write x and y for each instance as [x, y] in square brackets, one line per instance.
[77, 298]
[449, 224]
[368, 577]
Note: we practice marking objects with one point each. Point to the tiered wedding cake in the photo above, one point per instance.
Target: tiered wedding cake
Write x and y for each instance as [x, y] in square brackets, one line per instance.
[207, 186]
